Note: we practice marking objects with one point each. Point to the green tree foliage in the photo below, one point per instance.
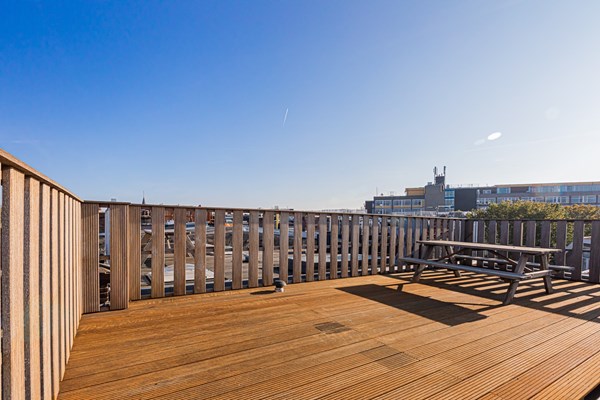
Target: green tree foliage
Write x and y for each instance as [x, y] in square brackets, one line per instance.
[528, 210]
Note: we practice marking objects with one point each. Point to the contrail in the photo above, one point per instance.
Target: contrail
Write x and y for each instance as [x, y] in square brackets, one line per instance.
[285, 116]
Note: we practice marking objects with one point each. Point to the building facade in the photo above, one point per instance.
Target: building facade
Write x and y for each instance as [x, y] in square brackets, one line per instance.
[438, 198]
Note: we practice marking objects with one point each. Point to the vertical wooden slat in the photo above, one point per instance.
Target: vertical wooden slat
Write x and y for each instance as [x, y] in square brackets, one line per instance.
[345, 247]
[417, 233]
[561, 242]
[284, 243]
[158, 252]
[530, 234]
[46, 300]
[253, 251]
[310, 247]
[69, 251]
[135, 255]
[401, 232]
[297, 269]
[61, 283]
[393, 239]
[355, 245]
[90, 257]
[595, 253]
[55, 293]
[375, 246]
[322, 247]
[409, 237]
[333, 251]
[575, 259]
[179, 252]
[445, 230]
[545, 234]
[200, 251]
[268, 246]
[504, 232]
[219, 281]
[238, 247]
[119, 279]
[13, 349]
[517, 237]
[384, 243]
[31, 273]
[365, 246]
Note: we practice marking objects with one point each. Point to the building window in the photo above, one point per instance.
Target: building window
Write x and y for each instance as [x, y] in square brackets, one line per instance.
[557, 199]
[403, 202]
[449, 194]
[575, 199]
[486, 191]
[417, 203]
[589, 199]
[486, 200]
[503, 190]
[449, 202]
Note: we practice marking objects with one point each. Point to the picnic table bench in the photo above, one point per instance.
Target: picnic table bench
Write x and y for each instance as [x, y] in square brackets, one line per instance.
[454, 254]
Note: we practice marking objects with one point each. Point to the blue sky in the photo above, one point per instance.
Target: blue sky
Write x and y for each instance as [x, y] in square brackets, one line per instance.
[186, 100]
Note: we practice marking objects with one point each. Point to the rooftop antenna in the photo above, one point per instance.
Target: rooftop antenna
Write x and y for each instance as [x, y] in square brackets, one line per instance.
[143, 197]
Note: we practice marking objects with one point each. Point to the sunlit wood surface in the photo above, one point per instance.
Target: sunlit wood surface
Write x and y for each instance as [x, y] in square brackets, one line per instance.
[359, 338]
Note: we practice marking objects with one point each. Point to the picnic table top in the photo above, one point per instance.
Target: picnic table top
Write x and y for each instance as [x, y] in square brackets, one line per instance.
[488, 246]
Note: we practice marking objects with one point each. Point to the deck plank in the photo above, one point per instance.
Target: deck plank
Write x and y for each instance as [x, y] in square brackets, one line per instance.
[355, 338]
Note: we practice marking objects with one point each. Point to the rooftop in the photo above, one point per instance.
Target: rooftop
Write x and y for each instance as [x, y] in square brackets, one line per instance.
[365, 337]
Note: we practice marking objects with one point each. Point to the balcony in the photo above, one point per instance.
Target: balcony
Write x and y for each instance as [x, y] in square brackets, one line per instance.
[110, 300]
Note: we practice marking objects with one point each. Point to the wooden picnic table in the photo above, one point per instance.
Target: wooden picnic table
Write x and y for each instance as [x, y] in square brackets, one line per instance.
[454, 253]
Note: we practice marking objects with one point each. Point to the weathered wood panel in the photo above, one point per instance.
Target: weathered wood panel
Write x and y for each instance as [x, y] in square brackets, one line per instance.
[61, 284]
[31, 271]
[13, 337]
[375, 246]
[393, 243]
[384, 244]
[364, 266]
[345, 245]
[180, 252]
[253, 250]
[575, 259]
[268, 248]
[355, 245]
[237, 250]
[561, 242]
[219, 281]
[200, 251]
[297, 262]
[158, 252]
[334, 245]
[401, 242]
[409, 237]
[417, 236]
[45, 292]
[119, 279]
[530, 234]
[310, 247]
[135, 255]
[322, 247]
[55, 293]
[284, 245]
[595, 253]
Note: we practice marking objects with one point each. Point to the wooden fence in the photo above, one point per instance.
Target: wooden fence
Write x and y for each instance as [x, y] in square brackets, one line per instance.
[41, 286]
[175, 250]
[579, 241]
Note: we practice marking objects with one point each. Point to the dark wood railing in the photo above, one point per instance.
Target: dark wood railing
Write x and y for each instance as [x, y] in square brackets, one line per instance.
[41, 287]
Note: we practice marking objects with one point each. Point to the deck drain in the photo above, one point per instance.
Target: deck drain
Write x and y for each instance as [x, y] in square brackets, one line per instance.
[331, 327]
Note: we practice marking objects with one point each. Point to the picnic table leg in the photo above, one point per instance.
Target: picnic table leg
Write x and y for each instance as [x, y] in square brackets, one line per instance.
[547, 278]
[512, 288]
[421, 267]
[449, 251]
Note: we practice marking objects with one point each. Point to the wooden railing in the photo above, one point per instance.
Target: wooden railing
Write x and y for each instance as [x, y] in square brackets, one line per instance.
[41, 287]
[579, 241]
[178, 250]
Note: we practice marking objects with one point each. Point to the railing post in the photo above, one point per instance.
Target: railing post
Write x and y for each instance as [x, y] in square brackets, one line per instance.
[13, 329]
[90, 222]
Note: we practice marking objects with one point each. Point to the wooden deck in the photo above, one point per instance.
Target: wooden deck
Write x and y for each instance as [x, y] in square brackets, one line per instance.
[358, 338]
